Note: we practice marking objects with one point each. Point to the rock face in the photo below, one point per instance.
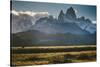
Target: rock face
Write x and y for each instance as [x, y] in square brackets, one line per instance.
[66, 23]
[61, 16]
[70, 13]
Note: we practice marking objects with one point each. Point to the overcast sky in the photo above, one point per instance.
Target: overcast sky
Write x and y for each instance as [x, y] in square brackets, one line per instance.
[54, 8]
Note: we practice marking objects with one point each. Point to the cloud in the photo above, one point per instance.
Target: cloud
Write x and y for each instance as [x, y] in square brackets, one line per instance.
[14, 12]
[30, 13]
[23, 20]
[76, 11]
[94, 22]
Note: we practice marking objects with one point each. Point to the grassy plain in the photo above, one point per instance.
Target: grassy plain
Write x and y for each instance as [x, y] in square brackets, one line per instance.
[38, 55]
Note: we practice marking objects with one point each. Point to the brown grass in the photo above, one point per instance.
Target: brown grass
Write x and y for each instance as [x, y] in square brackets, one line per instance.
[52, 58]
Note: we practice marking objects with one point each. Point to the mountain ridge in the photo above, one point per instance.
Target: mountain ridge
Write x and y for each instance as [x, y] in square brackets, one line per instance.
[66, 30]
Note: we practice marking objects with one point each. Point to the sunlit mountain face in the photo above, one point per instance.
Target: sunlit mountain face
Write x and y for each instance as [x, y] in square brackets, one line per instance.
[42, 27]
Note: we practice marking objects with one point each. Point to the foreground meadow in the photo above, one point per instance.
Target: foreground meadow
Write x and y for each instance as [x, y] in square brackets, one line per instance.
[38, 55]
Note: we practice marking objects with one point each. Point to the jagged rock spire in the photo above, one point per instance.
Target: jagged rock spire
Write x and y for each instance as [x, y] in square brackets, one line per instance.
[71, 13]
[61, 16]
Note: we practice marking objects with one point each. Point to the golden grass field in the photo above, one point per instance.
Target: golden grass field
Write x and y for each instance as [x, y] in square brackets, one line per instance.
[38, 55]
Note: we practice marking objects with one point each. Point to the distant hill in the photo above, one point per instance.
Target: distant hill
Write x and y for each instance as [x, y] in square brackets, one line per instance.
[36, 38]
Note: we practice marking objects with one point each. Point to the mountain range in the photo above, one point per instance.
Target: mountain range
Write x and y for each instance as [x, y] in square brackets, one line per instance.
[67, 29]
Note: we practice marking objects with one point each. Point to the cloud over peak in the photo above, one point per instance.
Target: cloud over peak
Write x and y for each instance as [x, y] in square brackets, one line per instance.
[23, 20]
[30, 13]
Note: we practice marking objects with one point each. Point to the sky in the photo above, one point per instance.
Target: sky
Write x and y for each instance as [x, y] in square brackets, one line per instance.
[89, 11]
